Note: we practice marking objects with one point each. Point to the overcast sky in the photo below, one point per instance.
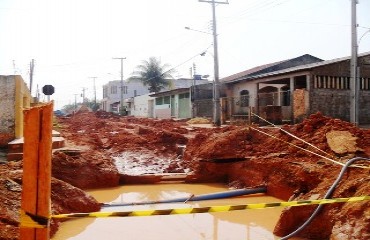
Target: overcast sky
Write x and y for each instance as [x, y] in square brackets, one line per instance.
[74, 40]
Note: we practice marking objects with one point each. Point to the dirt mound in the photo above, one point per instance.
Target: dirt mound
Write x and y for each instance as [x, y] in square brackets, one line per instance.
[85, 170]
[225, 145]
[117, 134]
[291, 169]
[64, 198]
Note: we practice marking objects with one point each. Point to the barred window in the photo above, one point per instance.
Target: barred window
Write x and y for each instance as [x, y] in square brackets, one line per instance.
[244, 98]
[331, 82]
[365, 84]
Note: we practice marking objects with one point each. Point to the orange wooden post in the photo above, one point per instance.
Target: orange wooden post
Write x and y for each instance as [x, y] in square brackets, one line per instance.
[36, 188]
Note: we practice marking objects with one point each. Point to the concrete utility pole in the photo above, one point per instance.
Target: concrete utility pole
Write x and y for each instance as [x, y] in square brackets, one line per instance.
[75, 101]
[32, 65]
[94, 90]
[14, 68]
[121, 105]
[83, 94]
[354, 96]
[216, 84]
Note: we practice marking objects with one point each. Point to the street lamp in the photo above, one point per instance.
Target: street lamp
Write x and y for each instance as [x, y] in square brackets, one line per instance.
[363, 35]
[188, 28]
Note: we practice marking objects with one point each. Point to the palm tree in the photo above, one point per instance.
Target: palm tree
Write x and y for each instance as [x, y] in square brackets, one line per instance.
[153, 74]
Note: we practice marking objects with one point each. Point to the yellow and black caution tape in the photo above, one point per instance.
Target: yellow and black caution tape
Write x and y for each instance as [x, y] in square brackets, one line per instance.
[29, 220]
[37, 221]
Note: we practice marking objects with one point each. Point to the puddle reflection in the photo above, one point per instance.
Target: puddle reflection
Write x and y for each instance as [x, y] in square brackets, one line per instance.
[247, 224]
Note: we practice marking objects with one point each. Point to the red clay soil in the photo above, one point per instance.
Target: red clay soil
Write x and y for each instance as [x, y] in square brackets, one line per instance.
[240, 156]
[289, 172]
[64, 197]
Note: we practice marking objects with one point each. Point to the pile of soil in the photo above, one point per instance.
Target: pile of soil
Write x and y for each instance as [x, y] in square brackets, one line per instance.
[241, 156]
[292, 169]
[65, 198]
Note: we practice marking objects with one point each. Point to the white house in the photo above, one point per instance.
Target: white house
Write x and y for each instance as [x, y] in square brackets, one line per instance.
[112, 94]
[141, 106]
[173, 103]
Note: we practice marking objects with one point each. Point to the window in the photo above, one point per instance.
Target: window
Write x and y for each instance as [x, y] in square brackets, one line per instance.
[365, 83]
[166, 100]
[244, 98]
[105, 92]
[159, 101]
[113, 89]
[184, 95]
[331, 82]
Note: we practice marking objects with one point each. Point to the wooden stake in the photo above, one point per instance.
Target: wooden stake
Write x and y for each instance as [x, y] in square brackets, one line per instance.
[37, 149]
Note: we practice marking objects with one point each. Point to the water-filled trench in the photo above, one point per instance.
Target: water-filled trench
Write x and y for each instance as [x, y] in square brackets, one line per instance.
[244, 224]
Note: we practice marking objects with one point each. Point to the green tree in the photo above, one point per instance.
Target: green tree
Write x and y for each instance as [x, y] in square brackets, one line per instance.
[68, 108]
[153, 74]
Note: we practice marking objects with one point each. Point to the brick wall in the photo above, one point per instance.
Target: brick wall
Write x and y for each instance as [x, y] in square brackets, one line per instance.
[7, 113]
[337, 104]
[331, 102]
[364, 105]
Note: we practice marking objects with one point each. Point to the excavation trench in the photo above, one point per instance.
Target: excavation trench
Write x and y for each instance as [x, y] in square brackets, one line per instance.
[247, 224]
[232, 156]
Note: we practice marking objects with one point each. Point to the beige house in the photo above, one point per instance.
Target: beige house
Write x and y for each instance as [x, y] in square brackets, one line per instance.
[14, 97]
[292, 89]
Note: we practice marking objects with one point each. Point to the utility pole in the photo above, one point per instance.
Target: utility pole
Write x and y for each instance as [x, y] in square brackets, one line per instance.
[216, 84]
[75, 101]
[121, 105]
[94, 90]
[354, 96]
[14, 68]
[32, 65]
[83, 94]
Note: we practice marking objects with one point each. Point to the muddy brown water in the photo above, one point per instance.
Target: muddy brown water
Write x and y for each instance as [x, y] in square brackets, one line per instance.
[245, 224]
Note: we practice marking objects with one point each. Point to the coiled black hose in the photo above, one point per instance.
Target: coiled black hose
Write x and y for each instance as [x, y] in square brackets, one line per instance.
[327, 195]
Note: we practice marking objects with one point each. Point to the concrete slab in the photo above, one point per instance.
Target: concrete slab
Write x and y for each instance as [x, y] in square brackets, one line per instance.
[55, 133]
[58, 142]
[15, 147]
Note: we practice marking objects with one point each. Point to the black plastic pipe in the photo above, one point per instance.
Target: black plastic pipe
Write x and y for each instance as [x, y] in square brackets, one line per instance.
[202, 197]
[328, 195]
